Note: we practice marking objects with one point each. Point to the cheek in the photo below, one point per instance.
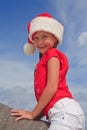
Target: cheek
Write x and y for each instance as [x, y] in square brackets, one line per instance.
[35, 44]
[50, 44]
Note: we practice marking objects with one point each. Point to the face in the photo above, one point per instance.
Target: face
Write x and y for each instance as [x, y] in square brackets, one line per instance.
[44, 41]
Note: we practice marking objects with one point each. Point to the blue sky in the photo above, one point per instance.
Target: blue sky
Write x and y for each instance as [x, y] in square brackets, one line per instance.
[16, 69]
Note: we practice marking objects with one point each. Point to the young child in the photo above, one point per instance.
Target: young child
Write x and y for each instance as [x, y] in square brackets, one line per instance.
[54, 99]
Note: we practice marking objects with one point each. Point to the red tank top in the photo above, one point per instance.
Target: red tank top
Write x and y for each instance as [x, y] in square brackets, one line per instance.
[40, 78]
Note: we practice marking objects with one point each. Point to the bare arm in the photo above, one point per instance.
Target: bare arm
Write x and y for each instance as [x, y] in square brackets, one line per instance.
[48, 93]
[51, 87]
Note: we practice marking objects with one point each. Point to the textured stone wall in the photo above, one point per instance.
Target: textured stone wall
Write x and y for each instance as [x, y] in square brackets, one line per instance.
[7, 122]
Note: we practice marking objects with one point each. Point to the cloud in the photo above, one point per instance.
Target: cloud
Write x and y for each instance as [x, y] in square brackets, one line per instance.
[82, 39]
[17, 97]
[16, 84]
[14, 73]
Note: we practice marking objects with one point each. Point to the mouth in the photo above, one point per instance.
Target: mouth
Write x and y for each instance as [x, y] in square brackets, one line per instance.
[43, 47]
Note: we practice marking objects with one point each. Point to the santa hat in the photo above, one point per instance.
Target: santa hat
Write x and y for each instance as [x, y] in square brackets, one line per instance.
[43, 22]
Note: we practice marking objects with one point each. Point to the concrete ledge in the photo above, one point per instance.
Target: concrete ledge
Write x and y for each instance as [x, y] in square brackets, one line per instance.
[7, 122]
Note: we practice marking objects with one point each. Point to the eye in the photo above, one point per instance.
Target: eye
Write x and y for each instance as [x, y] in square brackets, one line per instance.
[35, 38]
[45, 36]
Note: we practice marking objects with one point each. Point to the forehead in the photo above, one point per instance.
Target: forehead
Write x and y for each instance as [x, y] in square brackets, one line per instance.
[41, 33]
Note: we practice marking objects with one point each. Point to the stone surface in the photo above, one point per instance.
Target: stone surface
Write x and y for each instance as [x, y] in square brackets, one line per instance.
[7, 122]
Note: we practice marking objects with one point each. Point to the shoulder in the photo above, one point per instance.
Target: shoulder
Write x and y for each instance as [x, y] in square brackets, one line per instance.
[54, 52]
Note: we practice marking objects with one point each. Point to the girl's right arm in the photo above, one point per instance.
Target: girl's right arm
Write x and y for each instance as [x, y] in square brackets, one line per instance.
[48, 93]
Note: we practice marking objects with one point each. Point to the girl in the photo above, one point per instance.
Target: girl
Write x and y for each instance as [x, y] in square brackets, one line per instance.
[54, 99]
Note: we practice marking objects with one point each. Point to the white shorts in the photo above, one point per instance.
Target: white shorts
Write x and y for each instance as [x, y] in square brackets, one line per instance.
[66, 114]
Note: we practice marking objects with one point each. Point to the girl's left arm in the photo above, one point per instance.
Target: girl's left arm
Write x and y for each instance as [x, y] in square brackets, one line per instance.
[48, 93]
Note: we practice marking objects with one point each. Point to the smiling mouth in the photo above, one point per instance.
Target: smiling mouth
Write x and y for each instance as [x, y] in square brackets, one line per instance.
[42, 47]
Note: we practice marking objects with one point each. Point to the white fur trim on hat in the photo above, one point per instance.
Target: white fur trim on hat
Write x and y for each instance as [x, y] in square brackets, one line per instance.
[29, 49]
[47, 24]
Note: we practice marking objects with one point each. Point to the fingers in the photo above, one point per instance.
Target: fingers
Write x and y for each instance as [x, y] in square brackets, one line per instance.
[15, 113]
[22, 114]
[19, 118]
[18, 113]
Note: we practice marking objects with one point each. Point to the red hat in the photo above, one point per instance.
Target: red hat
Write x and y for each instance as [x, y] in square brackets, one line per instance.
[43, 22]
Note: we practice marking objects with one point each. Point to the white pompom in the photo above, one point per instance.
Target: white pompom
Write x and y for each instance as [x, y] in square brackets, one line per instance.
[29, 49]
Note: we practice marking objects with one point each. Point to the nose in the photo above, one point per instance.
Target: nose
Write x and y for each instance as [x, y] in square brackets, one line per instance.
[40, 42]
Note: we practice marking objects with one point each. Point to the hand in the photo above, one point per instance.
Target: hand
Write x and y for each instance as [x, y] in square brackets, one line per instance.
[22, 114]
